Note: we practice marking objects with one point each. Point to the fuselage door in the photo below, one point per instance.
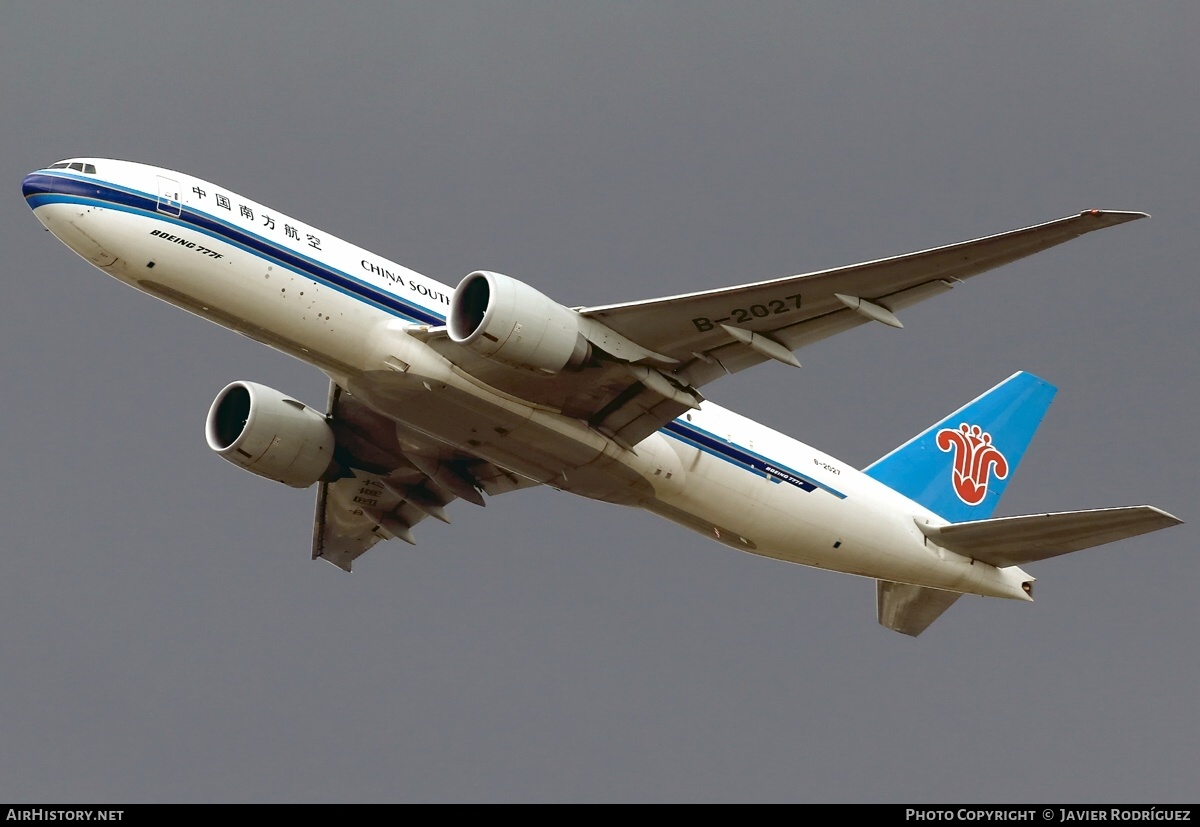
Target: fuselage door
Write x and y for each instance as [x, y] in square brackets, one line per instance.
[168, 197]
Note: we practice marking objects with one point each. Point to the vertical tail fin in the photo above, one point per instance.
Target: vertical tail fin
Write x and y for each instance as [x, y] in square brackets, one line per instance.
[960, 467]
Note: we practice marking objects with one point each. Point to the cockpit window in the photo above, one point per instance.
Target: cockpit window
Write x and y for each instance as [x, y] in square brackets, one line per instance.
[78, 166]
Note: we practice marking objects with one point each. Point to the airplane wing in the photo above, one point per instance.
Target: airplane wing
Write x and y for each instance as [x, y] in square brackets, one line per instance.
[658, 353]
[798, 310]
[389, 487]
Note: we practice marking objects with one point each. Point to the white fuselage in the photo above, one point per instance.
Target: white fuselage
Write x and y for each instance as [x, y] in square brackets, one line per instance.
[350, 312]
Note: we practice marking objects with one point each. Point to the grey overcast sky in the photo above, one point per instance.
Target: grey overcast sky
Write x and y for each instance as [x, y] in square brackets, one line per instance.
[164, 636]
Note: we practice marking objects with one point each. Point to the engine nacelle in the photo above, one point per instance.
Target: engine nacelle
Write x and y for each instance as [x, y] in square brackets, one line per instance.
[265, 432]
[502, 318]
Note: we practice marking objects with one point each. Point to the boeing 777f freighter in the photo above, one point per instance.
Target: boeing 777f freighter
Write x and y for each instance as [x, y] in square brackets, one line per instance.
[440, 393]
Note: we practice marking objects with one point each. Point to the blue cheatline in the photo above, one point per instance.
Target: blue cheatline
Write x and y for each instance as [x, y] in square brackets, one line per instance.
[744, 458]
[50, 188]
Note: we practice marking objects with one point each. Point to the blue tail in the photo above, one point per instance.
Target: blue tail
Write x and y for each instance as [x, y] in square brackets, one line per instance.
[960, 467]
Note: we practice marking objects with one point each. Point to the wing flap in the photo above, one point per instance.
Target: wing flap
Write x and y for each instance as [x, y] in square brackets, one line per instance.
[342, 529]
[388, 489]
[1015, 541]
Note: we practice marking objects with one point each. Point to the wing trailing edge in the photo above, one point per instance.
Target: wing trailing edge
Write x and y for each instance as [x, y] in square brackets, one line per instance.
[388, 488]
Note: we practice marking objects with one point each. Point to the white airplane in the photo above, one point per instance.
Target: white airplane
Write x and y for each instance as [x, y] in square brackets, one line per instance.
[439, 393]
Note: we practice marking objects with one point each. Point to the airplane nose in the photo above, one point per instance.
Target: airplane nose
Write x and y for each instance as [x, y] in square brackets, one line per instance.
[36, 183]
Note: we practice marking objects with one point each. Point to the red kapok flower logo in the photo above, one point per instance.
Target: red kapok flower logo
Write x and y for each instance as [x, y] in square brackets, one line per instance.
[975, 460]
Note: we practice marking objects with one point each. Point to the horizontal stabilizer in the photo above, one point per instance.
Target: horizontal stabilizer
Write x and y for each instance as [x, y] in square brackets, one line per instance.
[910, 609]
[1015, 541]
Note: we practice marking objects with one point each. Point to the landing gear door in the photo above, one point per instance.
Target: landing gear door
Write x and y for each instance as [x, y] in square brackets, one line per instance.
[168, 197]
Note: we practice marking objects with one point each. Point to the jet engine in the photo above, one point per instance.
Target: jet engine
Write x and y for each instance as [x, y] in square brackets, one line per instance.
[266, 433]
[505, 319]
